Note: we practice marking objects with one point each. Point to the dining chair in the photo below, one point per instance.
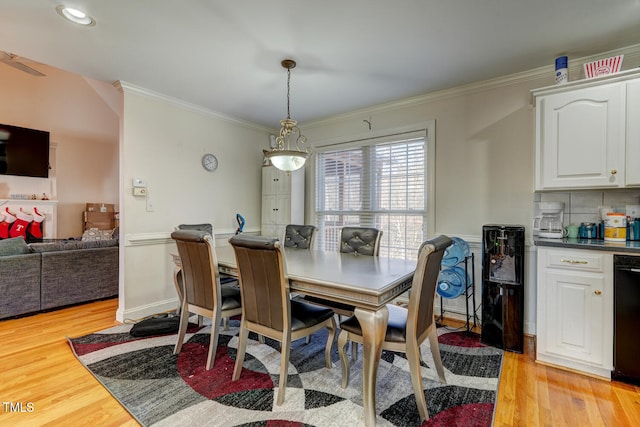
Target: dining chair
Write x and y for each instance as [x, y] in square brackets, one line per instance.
[299, 236]
[408, 328]
[203, 293]
[224, 279]
[356, 241]
[198, 227]
[360, 240]
[267, 308]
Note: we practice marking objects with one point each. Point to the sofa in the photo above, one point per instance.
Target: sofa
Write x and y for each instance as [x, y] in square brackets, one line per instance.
[43, 276]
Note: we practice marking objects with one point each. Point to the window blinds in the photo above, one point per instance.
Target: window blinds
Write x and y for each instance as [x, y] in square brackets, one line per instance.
[375, 183]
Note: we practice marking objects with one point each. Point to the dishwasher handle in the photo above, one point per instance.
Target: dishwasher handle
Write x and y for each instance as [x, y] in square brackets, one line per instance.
[632, 270]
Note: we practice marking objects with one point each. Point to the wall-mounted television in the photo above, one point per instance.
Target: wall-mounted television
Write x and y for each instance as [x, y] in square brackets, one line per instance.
[24, 152]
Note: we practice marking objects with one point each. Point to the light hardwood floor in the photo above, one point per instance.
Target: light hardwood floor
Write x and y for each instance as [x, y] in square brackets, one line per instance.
[38, 368]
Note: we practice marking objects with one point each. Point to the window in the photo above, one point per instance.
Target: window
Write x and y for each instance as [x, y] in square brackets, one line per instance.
[378, 183]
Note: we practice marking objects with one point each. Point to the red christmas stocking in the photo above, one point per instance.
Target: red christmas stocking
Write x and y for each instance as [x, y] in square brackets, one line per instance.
[35, 228]
[19, 228]
[6, 224]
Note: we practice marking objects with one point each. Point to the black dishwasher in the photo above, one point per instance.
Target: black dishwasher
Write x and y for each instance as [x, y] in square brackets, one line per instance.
[626, 344]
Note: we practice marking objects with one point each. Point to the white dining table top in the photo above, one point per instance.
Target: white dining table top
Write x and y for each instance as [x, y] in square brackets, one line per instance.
[359, 280]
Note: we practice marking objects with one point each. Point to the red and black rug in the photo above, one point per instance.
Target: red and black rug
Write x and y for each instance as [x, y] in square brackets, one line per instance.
[162, 389]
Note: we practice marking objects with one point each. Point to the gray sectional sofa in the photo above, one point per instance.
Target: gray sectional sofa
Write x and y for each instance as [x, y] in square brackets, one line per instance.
[43, 276]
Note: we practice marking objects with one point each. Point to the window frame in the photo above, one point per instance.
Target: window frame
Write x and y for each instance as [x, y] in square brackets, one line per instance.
[425, 129]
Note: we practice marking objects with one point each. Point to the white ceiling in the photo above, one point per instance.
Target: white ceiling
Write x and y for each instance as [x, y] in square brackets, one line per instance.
[225, 55]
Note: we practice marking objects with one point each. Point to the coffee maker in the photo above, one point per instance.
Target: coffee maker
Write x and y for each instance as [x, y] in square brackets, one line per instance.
[547, 222]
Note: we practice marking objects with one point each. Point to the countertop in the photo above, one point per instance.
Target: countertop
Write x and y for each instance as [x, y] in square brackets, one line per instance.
[592, 244]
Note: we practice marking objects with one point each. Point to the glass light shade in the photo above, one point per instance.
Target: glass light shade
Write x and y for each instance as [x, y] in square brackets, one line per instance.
[287, 160]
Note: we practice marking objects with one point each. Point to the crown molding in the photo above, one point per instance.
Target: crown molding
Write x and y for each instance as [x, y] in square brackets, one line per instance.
[631, 55]
[130, 88]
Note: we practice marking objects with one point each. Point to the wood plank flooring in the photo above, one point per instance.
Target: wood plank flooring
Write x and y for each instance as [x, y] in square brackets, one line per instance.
[39, 371]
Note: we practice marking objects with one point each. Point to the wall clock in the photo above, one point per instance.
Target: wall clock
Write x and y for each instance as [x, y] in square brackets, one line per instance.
[209, 162]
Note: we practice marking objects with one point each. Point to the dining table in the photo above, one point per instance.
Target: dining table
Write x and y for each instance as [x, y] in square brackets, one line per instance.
[367, 283]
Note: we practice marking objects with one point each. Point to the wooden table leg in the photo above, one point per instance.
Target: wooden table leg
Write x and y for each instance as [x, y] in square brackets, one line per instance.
[374, 325]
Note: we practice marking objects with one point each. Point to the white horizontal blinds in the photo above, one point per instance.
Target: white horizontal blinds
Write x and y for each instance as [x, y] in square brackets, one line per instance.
[401, 196]
[378, 183]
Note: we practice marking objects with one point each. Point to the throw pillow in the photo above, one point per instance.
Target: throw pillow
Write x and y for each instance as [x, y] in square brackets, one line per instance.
[96, 234]
[14, 246]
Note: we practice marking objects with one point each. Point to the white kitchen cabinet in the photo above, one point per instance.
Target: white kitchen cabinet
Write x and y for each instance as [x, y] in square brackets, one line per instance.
[282, 200]
[581, 138]
[633, 134]
[575, 309]
[584, 131]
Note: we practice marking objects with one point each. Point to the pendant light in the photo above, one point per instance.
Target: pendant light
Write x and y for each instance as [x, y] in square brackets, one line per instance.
[283, 156]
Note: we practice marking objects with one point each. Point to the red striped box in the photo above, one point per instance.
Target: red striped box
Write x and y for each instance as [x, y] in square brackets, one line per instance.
[602, 67]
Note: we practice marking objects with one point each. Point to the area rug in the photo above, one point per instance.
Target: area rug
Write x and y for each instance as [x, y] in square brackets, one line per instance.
[159, 388]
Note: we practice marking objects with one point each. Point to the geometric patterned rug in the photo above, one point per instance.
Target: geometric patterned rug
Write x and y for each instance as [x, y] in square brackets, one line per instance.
[159, 388]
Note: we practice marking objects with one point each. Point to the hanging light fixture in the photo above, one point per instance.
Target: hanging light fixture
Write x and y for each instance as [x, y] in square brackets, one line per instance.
[283, 156]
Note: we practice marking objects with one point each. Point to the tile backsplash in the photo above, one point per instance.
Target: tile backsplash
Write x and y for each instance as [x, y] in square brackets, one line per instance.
[582, 206]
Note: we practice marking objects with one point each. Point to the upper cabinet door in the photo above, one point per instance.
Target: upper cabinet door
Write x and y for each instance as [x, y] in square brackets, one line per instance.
[580, 138]
[633, 134]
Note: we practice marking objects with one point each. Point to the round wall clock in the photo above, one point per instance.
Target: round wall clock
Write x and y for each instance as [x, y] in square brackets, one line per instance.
[209, 162]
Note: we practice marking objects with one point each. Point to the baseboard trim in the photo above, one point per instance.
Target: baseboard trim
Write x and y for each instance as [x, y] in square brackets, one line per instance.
[580, 369]
[136, 314]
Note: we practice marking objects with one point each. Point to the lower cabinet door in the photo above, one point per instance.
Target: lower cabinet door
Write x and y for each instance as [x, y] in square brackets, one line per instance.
[575, 323]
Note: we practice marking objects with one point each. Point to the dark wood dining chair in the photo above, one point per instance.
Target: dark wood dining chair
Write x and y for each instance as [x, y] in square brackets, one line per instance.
[299, 236]
[203, 293]
[267, 308]
[408, 327]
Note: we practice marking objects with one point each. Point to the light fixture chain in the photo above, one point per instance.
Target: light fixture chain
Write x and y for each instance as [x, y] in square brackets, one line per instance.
[288, 91]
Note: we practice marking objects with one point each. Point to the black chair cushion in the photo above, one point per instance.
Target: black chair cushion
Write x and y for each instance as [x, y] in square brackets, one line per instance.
[230, 297]
[396, 328]
[304, 315]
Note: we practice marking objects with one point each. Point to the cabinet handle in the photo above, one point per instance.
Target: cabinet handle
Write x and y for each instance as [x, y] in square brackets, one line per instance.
[614, 171]
[574, 261]
[597, 292]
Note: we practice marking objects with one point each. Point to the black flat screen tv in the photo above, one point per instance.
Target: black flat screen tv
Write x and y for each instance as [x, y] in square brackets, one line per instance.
[24, 152]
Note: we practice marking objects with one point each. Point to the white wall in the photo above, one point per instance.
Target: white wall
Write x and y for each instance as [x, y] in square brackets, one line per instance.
[485, 141]
[162, 142]
[82, 117]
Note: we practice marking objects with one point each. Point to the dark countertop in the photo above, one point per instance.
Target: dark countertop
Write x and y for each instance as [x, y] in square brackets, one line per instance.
[592, 244]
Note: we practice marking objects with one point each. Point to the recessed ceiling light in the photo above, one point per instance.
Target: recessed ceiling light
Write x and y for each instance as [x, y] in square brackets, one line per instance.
[76, 16]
